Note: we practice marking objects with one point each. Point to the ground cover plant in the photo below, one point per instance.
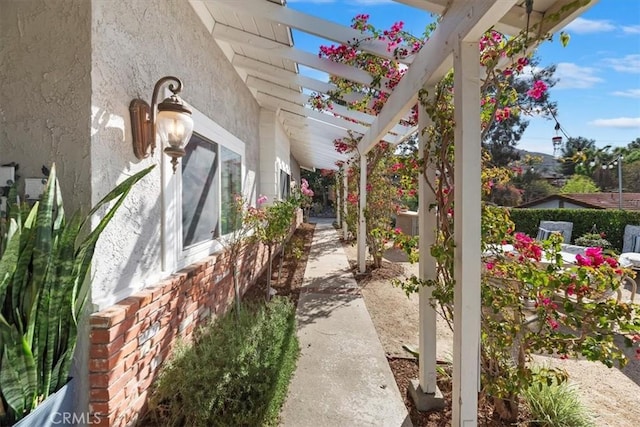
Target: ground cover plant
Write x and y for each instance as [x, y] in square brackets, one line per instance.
[235, 372]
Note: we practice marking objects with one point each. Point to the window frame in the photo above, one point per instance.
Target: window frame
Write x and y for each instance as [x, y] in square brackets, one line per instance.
[174, 255]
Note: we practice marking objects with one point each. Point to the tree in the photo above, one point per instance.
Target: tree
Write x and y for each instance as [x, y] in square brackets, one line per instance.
[634, 145]
[579, 184]
[574, 152]
[631, 176]
[320, 181]
[503, 136]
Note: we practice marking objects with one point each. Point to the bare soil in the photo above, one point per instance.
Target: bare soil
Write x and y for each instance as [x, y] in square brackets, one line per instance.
[294, 264]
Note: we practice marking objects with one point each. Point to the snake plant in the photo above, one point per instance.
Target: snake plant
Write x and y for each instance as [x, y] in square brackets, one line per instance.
[44, 266]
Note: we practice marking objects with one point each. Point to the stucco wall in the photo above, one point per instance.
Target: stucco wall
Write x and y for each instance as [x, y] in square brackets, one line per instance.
[555, 204]
[45, 91]
[134, 43]
[295, 169]
[275, 154]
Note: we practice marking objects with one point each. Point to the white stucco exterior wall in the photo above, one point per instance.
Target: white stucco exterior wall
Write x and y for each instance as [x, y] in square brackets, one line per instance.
[132, 49]
[45, 92]
[555, 204]
[275, 154]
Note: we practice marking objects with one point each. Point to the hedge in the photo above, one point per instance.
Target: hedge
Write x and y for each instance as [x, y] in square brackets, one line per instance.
[609, 221]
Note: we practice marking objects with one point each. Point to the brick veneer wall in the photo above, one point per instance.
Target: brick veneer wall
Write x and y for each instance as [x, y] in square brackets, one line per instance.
[130, 340]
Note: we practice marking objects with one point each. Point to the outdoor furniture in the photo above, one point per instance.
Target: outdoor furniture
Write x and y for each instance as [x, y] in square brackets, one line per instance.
[569, 252]
[547, 227]
[630, 256]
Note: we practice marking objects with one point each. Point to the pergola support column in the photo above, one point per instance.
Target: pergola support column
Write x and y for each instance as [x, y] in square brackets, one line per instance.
[467, 264]
[424, 391]
[345, 194]
[362, 223]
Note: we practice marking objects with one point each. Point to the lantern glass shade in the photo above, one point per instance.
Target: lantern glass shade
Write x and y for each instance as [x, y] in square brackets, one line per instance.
[174, 128]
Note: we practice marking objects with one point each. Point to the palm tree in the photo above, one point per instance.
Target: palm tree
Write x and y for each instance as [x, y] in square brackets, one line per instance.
[575, 152]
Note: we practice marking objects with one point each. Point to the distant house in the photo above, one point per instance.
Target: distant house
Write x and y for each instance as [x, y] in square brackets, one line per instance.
[630, 201]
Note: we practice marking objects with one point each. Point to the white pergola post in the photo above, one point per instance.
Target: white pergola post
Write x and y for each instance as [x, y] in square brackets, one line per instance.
[338, 204]
[467, 210]
[427, 227]
[424, 392]
[362, 223]
[345, 194]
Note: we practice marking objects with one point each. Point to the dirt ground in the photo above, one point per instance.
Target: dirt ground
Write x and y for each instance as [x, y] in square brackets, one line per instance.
[611, 395]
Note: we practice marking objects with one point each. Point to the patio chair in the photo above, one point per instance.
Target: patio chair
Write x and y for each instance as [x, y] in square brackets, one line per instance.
[547, 227]
[630, 256]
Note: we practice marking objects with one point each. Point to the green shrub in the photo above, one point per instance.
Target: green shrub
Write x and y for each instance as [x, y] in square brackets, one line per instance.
[609, 221]
[556, 405]
[235, 373]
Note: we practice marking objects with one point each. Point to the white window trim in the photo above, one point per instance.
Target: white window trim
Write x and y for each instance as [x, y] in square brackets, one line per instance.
[174, 256]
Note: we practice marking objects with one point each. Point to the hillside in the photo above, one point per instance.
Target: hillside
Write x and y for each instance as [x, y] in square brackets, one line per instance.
[549, 164]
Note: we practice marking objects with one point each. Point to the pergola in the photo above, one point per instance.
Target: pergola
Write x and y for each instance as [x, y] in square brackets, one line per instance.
[255, 35]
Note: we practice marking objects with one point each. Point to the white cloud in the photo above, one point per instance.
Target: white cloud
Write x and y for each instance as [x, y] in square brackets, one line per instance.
[631, 29]
[588, 26]
[573, 76]
[620, 122]
[628, 64]
[630, 93]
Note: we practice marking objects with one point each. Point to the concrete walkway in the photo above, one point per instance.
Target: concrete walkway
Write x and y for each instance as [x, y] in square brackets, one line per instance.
[342, 377]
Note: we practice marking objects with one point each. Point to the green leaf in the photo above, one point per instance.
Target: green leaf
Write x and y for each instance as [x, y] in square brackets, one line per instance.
[564, 38]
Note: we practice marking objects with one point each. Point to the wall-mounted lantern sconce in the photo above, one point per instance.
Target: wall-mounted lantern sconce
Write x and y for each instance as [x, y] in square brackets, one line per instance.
[171, 121]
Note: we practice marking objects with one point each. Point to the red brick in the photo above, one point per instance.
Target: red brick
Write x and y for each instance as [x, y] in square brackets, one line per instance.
[104, 364]
[146, 310]
[111, 406]
[129, 348]
[191, 308]
[144, 384]
[143, 298]
[130, 361]
[132, 333]
[131, 390]
[103, 351]
[110, 379]
[104, 336]
[131, 305]
[108, 317]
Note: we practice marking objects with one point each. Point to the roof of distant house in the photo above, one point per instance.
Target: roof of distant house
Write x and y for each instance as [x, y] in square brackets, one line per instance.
[630, 201]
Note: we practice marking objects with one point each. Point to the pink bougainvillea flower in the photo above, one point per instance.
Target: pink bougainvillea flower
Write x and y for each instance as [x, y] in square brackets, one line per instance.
[613, 263]
[262, 199]
[582, 261]
[538, 89]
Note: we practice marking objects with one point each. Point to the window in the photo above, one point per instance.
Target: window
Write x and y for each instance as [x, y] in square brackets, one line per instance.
[199, 191]
[285, 185]
[231, 176]
[198, 198]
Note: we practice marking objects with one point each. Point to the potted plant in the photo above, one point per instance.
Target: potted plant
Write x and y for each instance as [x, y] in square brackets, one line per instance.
[44, 284]
[594, 239]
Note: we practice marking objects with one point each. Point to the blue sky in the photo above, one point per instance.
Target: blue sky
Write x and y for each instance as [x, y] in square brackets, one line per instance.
[598, 91]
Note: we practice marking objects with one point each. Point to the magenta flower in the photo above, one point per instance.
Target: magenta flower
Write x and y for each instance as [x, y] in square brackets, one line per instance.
[262, 199]
[538, 89]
